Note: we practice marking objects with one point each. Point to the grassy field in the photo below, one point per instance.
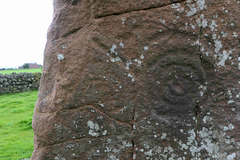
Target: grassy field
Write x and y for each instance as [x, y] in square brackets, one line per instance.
[16, 134]
[21, 71]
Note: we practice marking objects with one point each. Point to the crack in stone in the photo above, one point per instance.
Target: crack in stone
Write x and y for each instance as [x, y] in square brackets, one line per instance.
[72, 32]
[140, 9]
[197, 108]
[197, 116]
[110, 117]
[133, 137]
[100, 111]
[80, 139]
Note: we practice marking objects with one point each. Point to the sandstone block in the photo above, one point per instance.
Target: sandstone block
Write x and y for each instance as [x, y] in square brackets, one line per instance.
[140, 80]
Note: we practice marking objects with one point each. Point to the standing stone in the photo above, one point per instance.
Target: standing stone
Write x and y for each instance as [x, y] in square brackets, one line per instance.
[126, 80]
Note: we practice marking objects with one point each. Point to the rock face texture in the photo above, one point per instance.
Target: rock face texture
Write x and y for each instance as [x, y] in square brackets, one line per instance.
[125, 80]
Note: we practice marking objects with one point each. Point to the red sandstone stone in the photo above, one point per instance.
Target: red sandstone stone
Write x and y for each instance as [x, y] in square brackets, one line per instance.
[140, 80]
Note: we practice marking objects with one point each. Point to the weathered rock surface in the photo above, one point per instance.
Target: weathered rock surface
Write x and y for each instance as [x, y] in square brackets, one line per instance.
[140, 80]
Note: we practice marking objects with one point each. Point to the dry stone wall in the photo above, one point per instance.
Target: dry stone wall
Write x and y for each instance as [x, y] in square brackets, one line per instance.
[12, 83]
[140, 80]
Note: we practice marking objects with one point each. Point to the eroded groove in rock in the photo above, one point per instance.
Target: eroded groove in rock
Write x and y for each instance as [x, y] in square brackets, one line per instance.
[81, 139]
[141, 9]
[110, 117]
[148, 83]
[71, 32]
[133, 134]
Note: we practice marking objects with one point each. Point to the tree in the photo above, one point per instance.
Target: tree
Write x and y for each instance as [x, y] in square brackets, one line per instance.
[26, 66]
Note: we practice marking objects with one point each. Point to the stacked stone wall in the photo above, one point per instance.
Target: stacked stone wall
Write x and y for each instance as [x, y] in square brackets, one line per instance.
[13, 83]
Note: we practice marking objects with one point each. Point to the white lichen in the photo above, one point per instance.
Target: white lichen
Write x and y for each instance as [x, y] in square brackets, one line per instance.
[116, 59]
[112, 50]
[104, 133]
[231, 156]
[164, 135]
[123, 20]
[192, 11]
[201, 4]
[121, 44]
[139, 63]
[223, 57]
[60, 57]
[235, 35]
[131, 76]
[94, 129]
[162, 21]
[218, 45]
[204, 23]
[128, 64]
[213, 26]
[230, 101]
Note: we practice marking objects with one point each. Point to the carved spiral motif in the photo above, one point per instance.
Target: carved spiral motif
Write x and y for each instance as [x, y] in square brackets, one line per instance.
[78, 125]
[177, 78]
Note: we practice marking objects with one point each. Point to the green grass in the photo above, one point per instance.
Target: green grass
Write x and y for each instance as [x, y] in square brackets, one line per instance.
[16, 134]
[21, 71]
